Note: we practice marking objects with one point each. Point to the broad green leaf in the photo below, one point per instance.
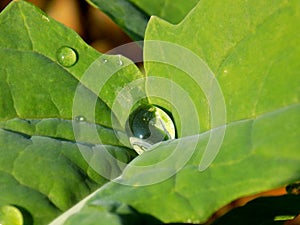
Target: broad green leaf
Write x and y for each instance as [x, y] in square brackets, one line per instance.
[171, 11]
[267, 210]
[227, 39]
[247, 51]
[55, 125]
[126, 15]
[191, 195]
[47, 176]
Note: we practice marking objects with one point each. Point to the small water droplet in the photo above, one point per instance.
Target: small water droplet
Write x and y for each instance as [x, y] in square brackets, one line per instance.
[149, 125]
[120, 60]
[45, 18]
[80, 119]
[104, 60]
[66, 56]
[10, 215]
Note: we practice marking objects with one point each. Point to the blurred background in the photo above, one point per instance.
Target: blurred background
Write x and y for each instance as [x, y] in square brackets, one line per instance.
[96, 29]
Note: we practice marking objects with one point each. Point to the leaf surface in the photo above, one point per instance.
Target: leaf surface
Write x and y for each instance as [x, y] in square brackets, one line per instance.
[49, 146]
[252, 51]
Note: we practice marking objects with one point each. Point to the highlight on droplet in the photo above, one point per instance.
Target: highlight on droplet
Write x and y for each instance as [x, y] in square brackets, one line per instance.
[80, 119]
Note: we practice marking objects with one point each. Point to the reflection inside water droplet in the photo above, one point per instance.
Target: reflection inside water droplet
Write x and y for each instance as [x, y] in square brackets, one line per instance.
[80, 119]
[66, 56]
[139, 145]
[149, 125]
[10, 215]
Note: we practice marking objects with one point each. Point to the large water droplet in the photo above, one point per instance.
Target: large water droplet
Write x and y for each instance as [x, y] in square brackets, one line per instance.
[10, 215]
[80, 119]
[149, 125]
[66, 56]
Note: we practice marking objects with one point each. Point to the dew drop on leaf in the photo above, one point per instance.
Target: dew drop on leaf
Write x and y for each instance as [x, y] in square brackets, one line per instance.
[80, 119]
[149, 125]
[104, 60]
[10, 215]
[66, 56]
[45, 18]
[120, 60]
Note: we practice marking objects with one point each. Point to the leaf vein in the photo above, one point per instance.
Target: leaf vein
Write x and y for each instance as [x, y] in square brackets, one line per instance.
[245, 37]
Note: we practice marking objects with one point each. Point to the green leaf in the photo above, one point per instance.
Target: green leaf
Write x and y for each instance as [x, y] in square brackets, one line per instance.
[234, 58]
[228, 46]
[112, 213]
[245, 165]
[133, 15]
[47, 176]
[171, 11]
[54, 126]
[126, 15]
